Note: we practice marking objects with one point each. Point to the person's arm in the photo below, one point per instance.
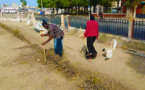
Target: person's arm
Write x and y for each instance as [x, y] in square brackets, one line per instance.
[97, 31]
[87, 29]
[43, 35]
[51, 33]
[50, 37]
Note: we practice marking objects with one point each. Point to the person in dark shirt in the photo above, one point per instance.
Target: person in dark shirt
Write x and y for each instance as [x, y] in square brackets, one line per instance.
[101, 15]
[56, 33]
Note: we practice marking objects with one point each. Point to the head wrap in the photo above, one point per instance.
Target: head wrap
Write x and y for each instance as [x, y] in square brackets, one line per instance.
[92, 17]
[44, 23]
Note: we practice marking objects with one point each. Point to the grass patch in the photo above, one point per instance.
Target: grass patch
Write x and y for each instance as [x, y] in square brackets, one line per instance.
[16, 32]
[137, 63]
[95, 81]
[103, 38]
[62, 65]
[74, 32]
[91, 83]
[135, 45]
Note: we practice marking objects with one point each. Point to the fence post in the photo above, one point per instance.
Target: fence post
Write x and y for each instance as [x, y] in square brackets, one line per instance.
[135, 7]
[68, 21]
[29, 19]
[33, 18]
[130, 28]
[49, 18]
[62, 22]
[1, 14]
[18, 16]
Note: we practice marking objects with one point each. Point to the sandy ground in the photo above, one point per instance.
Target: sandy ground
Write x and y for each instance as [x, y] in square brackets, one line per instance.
[19, 70]
[116, 67]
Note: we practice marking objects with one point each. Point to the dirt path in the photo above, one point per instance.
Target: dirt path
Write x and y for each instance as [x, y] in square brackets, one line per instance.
[116, 67]
[19, 70]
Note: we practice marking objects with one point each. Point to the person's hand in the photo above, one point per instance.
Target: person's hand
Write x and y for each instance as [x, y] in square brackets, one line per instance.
[44, 43]
[83, 36]
[97, 38]
[42, 35]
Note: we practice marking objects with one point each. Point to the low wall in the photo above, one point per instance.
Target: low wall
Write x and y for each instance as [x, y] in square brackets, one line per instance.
[110, 15]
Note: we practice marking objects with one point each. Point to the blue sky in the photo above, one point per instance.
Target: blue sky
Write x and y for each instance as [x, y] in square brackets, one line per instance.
[29, 2]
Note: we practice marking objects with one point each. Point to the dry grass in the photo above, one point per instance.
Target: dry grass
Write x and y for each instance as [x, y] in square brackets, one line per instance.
[62, 65]
[74, 32]
[91, 83]
[96, 81]
[103, 38]
[135, 45]
[15, 32]
[137, 63]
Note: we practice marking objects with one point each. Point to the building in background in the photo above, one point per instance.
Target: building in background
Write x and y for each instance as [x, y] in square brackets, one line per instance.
[14, 5]
[5, 5]
[5, 8]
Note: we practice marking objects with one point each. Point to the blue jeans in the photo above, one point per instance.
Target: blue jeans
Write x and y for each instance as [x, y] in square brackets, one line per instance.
[58, 46]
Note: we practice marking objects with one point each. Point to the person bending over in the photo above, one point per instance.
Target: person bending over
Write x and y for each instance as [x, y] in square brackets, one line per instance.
[56, 33]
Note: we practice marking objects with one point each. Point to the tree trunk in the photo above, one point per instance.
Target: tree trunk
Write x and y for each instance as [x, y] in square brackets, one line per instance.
[65, 11]
[75, 9]
[78, 9]
[86, 10]
[90, 9]
[94, 8]
[53, 10]
[135, 11]
[118, 6]
[83, 10]
[71, 10]
[57, 10]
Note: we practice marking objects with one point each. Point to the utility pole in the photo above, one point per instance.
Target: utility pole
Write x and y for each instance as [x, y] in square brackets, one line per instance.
[41, 4]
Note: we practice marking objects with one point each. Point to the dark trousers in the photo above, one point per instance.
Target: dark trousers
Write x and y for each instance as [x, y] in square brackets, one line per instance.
[58, 46]
[90, 42]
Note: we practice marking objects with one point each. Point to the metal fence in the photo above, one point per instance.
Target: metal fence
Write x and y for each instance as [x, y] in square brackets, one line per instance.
[78, 22]
[51, 19]
[117, 26]
[140, 15]
[139, 29]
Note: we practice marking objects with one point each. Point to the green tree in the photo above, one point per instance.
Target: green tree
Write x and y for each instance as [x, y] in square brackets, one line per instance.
[131, 3]
[94, 3]
[67, 4]
[24, 3]
[106, 4]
